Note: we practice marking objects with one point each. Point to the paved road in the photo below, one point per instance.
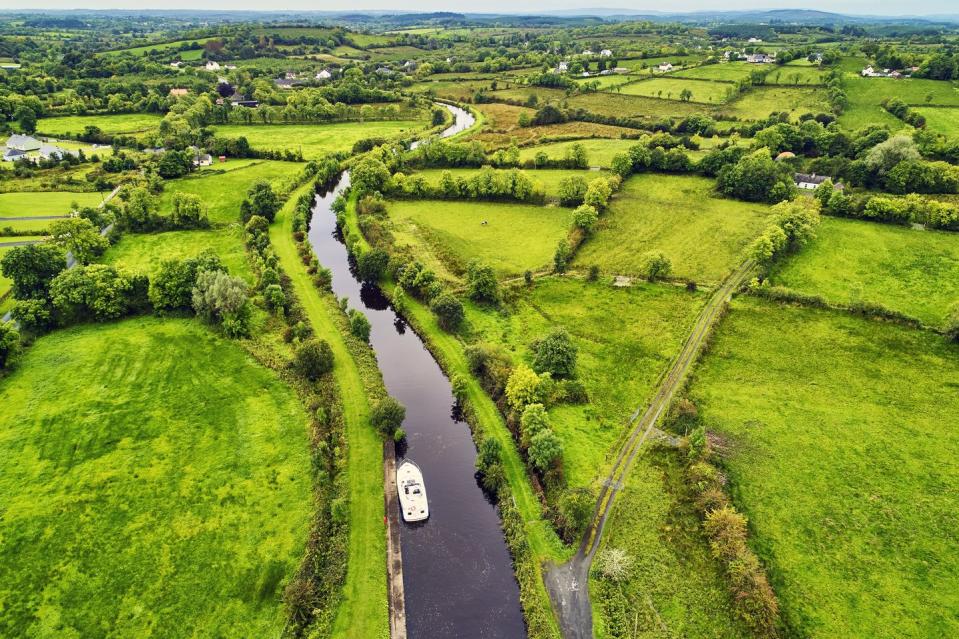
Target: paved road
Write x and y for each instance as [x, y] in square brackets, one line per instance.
[568, 583]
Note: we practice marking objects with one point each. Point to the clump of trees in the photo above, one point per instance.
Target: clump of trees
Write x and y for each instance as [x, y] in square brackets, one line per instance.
[757, 178]
[791, 225]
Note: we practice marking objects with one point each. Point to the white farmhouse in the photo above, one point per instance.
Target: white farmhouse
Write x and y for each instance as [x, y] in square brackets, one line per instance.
[212, 65]
[606, 53]
[665, 67]
[324, 75]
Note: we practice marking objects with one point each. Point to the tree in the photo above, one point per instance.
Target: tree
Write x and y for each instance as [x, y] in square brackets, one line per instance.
[544, 449]
[33, 315]
[98, 291]
[449, 311]
[481, 282]
[572, 190]
[548, 114]
[219, 297]
[189, 211]
[174, 164]
[685, 95]
[522, 388]
[387, 416]
[655, 266]
[171, 287]
[575, 511]
[371, 265]
[533, 420]
[80, 237]
[369, 175]
[884, 156]
[9, 343]
[585, 217]
[261, 200]
[32, 268]
[359, 325]
[555, 354]
[140, 211]
[562, 256]
[313, 359]
[598, 193]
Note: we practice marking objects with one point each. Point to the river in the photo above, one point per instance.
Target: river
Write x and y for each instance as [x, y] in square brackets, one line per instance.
[457, 571]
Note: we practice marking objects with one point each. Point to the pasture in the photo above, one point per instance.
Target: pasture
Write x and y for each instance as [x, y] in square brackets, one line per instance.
[675, 582]
[599, 152]
[115, 124]
[168, 47]
[143, 252]
[515, 237]
[838, 440]
[866, 96]
[146, 486]
[702, 234]
[41, 203]
[758, 102]
[223, 188]
[723, 72]
[670, 88]
[913, 272]
[796, 75]
[316, 140]
[626, 337]
[943, 120]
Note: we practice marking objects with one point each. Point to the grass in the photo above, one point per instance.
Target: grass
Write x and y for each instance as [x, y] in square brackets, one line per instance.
[549, 179]
[866, 96]
[618, 105]
[316, 140]
[758, 102]
[796, 75]
[143, 253]
[723, 72]
[626, 337]
[914, 272]
[599, 152]
[670, 87]
[941, 120]
[162, 46]
[703, 235]
[675, 583]
[843, 459]
[146, 487]
[363, 609]
[224, 189]
[605, 81]
[515, 237]
[30, 204]
[115, 124]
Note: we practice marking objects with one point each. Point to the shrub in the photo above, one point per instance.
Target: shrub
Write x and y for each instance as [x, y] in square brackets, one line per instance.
[614, 564]
[371, 265]
[952, 324]
[219, 297]
[555, 354]
[97, 292]
[655, 266]
[575, 510]
[522, 388]
[572, 190]
[313, 359]
[9, 343]
[585, 217]
[32, 269]
[562, 256]
[449, 311]
[481, 282]
[533, 420]
[726, 529]
[359, 325]
[387, 416]
[544, 449]
[33, 315]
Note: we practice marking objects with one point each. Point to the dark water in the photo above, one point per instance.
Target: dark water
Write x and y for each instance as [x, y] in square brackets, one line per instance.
[457, 571]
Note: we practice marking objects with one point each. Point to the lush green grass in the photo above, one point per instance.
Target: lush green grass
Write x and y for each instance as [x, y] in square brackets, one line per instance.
[796, 75]
[120, 123]
[675, 583]
[315, 140]
[548, 179]
[840, 448]
[515, 237]
[600, 152]
[224, 188]
[20, 204]
[605, 81]
[914, 272]
[942, 120]
[363, 610]
[724, 71]
[143, 253]
[27, 224]
[611, 104]
[146, 486]
[626, 338]
[758, 102]
[866, 96]
[162, 46]
[669, 87]
[703, 235]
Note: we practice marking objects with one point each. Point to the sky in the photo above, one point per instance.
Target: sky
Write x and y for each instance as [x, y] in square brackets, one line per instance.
[862, 7]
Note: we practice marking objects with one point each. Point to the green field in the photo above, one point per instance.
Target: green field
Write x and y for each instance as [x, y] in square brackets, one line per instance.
[41, 203]
[839, 445]
[315, 140]
[914, 272]
[941, 120]
[154, 480]
[515, 237]
[702, 234]
[724, 71]
[599, 152]
[758, 102]
[224, 186]
[675, 582]
[606, 81]
[669, 88]
[548, 179]
[866, 96]
[796, 75]
[162, 46]
[117, 124]
[144, 252]
[626, 338]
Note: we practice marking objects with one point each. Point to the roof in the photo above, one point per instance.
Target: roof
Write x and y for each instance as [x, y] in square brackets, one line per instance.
[52, 149]
[13, 153]
[23, 142]
[810, 178]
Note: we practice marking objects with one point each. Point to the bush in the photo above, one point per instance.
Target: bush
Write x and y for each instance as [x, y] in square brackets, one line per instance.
[575, 510]
[33, 315]
[522, 388]
[9, 343]
[655, 266]
[572, 190]
[481, 282]
[219, 297]
[313, 359]
[387, 416]
[97, 292]
[371, 265]
[359, 325]
[544, 449]
[562, 256]
[585, 217]
[32, 268]
[172, 286]
[555, 354]
[449, 311]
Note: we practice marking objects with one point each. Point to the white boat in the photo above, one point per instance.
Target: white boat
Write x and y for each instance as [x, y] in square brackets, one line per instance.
[412, 491]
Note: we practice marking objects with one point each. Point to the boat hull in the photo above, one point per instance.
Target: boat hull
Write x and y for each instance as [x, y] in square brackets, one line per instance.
[414, 504]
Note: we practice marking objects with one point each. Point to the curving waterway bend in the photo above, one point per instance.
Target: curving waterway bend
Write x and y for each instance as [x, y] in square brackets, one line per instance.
[457, 571]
